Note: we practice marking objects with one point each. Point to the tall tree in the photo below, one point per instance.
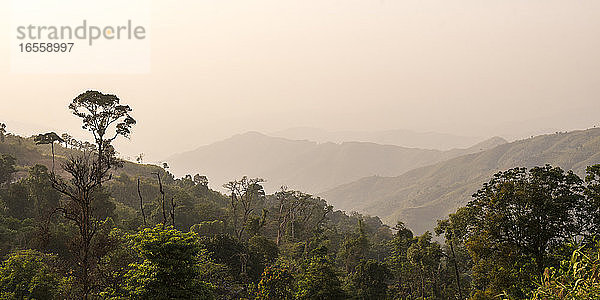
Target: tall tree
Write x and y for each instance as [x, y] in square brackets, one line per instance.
[283, 213]
[162, 199]
[518, 219]
[48, 138]
[104, 116]
[299, 216]
[245, 194]
[289, 207]
[81, 190]
[141, 202]
[425, 256]
[454, 230]
[354, 249]
[398, 262]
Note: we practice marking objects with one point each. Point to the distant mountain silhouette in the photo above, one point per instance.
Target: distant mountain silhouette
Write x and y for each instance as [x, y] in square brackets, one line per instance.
[399, 137]
[306, 165]
[424, 195]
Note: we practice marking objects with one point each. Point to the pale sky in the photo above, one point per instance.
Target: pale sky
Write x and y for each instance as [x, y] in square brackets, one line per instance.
[221, 67]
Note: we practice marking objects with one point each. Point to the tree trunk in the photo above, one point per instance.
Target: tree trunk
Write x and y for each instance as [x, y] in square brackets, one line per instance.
[293, 230]
[281, 223]
[141, 202]
[172, 212]
[162, 192]
[86, 238]
[100, 152]
[52, 145]
[456, 271]
[86, 269]
[234, 214]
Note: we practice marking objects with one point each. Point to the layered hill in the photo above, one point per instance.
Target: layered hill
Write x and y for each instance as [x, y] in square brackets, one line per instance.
[421, 196]
[305, 165]
[398, 137]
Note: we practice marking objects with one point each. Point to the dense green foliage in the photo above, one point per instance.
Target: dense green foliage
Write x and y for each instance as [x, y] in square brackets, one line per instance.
[28, 274]
[276, 282]
[169, 266]
[575, 278]
[103, 228]
[319, 280]
[522, 218]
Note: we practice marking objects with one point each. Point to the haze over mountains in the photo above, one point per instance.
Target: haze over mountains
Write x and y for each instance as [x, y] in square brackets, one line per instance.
[416, 186]
[422, 196]
[306, 165]
[398, 137]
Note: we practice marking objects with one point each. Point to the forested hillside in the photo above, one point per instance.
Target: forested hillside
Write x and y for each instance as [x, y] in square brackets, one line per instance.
[27, 154]
[80, 223]
[421, 196]
[307, 165]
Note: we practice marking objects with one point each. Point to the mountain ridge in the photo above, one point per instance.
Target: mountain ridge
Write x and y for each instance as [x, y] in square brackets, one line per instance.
[305, 165]
[398, 137]
[421, 196]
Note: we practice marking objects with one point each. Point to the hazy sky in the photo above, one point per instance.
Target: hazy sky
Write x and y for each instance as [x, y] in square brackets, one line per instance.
[222, 67]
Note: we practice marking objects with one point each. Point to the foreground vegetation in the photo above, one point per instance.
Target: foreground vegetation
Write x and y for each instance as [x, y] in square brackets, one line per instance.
[79, 223]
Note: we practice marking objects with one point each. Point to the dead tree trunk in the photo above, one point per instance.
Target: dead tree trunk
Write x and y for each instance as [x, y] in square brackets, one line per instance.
[162, 202]
[141, 202]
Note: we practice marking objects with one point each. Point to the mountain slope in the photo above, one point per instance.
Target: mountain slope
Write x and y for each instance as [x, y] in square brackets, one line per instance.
[27, 154]
[422, 196]
[399, 137]
[305, 165]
